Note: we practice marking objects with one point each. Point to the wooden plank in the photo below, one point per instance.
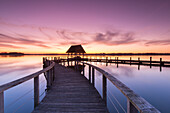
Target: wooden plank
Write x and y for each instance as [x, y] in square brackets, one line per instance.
[138, 102]
[71, 92]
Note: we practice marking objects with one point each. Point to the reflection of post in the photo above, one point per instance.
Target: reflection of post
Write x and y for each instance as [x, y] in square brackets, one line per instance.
[150, 62]
[138, 66]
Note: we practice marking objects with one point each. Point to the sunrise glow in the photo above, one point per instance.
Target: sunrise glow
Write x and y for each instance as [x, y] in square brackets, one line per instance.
[101, 26]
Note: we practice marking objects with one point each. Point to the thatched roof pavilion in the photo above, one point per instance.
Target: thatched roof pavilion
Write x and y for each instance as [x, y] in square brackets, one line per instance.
[76, 49]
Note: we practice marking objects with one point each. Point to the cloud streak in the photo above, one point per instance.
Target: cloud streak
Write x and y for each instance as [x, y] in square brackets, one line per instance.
[115, 38]
[158, 42]
[7, 41]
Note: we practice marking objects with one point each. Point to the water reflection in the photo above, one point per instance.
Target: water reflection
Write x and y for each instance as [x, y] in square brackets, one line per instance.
[148, 82]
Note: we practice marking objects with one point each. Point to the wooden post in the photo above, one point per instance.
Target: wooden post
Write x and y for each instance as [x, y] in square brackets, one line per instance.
[83, 69]
[36, 91]
[90, 74]
[51, 76]
[160, 64]
[53, 73]
[131, 108]
[105, 90]
[48, 80]
[150, 62]
[106, 61]
[1, 102]
[139, 60]
[130, 60]
[68, 62]
[93, 77]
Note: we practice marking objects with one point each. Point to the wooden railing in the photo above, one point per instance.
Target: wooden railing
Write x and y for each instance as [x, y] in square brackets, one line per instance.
[49, 77]
[135, 103]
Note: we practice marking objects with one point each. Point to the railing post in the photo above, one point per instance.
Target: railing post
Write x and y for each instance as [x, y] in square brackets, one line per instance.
[83, 69]
[106, 61]
[93, 77]
[1, 102]
[150, 62]
[131, 108]
[48, 79]
[104, 89]
[36, 91]
[89, 73]
[160, 64]
[53, 73]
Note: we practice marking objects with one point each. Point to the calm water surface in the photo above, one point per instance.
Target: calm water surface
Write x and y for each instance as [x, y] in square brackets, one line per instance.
[151, 84]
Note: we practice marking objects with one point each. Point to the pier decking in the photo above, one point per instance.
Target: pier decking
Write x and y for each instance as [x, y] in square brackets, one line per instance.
[71, 92]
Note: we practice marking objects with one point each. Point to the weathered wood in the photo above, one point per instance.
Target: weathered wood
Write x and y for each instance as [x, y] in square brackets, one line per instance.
[131, 108]
[21, 80]
[71, 92]
[83, 70]
[36, 91]
[48, 80]
[93, 77]
[1, 102]
[90, 74]
[104, 89]
[138, 102]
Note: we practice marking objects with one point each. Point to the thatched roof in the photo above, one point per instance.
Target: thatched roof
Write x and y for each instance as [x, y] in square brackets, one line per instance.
[76, 49]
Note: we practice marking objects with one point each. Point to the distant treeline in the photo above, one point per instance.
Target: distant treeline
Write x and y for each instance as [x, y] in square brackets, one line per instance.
[19, 54]
[12, 53]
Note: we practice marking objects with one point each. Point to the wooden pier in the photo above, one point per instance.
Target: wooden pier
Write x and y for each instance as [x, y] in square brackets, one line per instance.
[71, 92]
[68, 90]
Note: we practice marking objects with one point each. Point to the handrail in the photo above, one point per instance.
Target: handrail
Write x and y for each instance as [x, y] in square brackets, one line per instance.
[50, 74]
[21, 80]
[134, 100]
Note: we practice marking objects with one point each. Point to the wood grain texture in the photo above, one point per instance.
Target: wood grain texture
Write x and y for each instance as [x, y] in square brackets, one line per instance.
[138, 102]
[71, 92]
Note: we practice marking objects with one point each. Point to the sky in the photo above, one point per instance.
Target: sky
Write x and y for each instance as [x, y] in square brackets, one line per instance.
[101, 26]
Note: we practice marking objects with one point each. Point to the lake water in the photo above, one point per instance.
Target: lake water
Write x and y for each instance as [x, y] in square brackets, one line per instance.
[150, 83]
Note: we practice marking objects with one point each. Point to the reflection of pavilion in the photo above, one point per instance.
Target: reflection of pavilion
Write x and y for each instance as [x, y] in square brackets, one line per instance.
[76, 50]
